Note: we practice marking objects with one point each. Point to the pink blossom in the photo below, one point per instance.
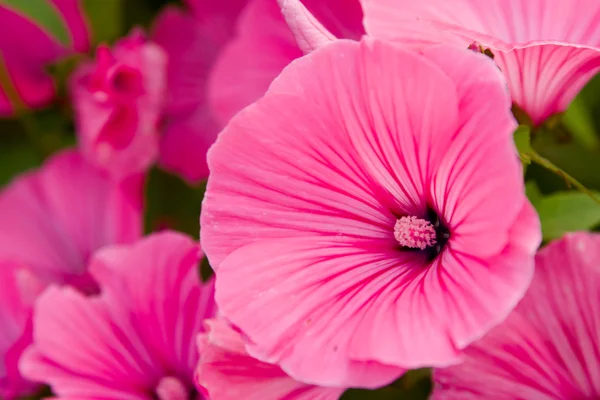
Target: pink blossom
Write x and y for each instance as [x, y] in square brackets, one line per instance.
[118, 100]
[308, 184]
[53, 219]
[136, 339]
[223, 57]
[227, 372]
[548, 50]
[263, 46]
[27, 48]
[548, 347]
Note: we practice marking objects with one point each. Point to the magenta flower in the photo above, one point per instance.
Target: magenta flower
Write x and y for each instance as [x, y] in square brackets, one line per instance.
[547, 50]
[263, 46]
[136, 339]
[224, 55]
[118, 101]
[192, 41]
[53, 219]
[353, 214]
[548, 347]
[18, 288]
[27, 48]
[227, 372]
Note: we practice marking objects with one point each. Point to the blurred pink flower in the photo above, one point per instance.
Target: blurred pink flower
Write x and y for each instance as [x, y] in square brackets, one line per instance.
[223, 56]
[52, 220]
[548, 50]
[307, 188]
[227, 372]
[548, 347]
[27, 48]
[18, 288]
[136, 339]
[118, 101]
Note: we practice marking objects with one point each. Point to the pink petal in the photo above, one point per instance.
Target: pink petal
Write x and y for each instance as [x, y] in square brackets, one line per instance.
[237, 79]
[74, 18]
[547, 348]
[140, 329]
[56, 217]
[227, 372]
[15, 329]
[312, 295]
[308, 30]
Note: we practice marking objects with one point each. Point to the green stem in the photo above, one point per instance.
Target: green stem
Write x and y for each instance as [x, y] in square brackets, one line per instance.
[532, 155]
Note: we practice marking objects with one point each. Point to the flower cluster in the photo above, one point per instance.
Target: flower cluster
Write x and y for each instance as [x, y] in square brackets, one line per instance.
[364, 209]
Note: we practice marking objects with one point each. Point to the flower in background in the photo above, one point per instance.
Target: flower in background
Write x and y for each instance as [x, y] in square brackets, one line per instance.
[548, 347]
[262, 46]
[136, 339]
[27, 47]
[227, 372]
[547, 50]
[18, 289]
[53, 219]
[351, 215]
[118, 100]
[223, 57]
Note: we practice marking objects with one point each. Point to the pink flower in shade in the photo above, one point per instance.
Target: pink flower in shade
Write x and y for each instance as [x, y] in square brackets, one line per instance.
[118, 100]
[548, 347]
[223, 57]
[227, 372]
[263, 46]
[548, 50]
[26, 49]
[18, 288]
[53, 219]
[306, 190]
[136, 339]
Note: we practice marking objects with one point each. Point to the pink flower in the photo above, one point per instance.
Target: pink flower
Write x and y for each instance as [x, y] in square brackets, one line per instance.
[548, 50]
[135, 340]
[548, 347]
[18, 288]
[263, 46]
[27, 48]
[223, 57]
[118, 100]
[192, 41]
[53, 219]
[227, 372]
[307, 186]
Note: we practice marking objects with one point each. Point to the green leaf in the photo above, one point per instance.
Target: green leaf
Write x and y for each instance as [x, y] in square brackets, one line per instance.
[533, 192]
[106, 19]
[563, 212]
[45, 15]
[579, 122]
[413, 385]
[522, 137]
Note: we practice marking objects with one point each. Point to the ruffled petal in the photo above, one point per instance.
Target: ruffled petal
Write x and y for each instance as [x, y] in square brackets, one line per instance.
[227, 372]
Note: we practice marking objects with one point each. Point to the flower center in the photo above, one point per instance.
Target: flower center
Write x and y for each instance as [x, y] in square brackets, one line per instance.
[415, 233]
[171, 388]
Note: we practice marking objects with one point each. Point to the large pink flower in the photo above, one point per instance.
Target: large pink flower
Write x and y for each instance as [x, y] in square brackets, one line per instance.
[368, 214]
[26, 48]
[227, 372]
[118, 100]
[548, 50]
[52, 221]
[134, 341]
[548, 347]
[223, 57]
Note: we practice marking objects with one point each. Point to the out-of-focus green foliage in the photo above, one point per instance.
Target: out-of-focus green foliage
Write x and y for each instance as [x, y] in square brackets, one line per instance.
[43, 13]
